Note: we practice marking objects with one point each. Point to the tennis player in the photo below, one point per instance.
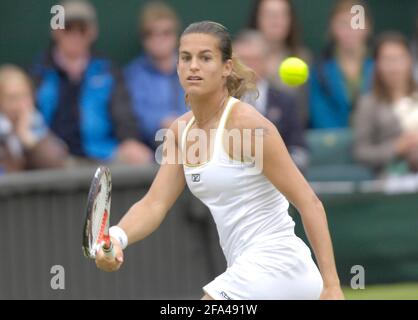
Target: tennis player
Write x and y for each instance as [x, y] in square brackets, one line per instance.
[265, 259]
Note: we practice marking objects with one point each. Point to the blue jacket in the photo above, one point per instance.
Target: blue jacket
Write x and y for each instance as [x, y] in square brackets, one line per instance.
[96, 124]
[154, 96]
[329, 103]
[281, 111]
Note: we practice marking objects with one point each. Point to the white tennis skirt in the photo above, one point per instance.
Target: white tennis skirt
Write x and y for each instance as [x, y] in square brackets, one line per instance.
[279, 271]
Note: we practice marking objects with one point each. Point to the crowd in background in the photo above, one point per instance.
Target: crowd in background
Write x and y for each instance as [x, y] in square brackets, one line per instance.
[73, 106]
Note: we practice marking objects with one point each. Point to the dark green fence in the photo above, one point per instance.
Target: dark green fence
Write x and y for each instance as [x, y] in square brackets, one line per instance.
[41, 219]
[376, 231]
[25, 24]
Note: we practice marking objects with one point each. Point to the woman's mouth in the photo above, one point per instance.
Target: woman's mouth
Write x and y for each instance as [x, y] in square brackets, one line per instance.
[194, 78]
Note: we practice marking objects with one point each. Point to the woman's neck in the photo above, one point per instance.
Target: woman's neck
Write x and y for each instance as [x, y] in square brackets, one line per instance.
[74, 66]
[399, 92]
[207, 108]
[352, 54]
[351, 62]
[278, 49]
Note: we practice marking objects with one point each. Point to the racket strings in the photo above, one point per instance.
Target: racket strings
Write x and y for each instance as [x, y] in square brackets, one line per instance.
[96, 227]
[99, 211]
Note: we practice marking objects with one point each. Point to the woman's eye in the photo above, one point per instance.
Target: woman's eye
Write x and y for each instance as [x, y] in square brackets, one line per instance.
[206, 58]
[185, 58]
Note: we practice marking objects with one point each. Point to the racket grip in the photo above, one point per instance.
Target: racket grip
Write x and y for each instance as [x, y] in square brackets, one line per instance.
[109, 251]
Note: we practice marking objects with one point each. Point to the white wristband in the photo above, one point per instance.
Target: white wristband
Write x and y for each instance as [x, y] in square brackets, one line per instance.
[118, 233]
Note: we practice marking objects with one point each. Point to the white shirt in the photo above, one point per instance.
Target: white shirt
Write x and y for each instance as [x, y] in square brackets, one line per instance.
[406, 109]
[248, 210]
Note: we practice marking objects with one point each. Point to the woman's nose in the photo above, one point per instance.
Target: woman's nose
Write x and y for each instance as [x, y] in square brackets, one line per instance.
[194, 64]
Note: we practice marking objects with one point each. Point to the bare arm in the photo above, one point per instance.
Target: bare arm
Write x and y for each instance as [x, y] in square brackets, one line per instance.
[281, 171]
[279, 168]
[145, 216]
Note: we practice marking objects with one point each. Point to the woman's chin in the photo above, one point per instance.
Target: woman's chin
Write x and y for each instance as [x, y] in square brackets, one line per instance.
[194, 91]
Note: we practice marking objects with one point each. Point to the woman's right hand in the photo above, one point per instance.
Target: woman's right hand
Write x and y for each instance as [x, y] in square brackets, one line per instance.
[110, 264]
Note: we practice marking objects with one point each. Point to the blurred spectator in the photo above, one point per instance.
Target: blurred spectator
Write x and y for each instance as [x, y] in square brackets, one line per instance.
[152, 79]
[414, 48]
[276, 20]
[82, 97]
[252, 49]
[386, 121]
[25, 141]
[343, 73]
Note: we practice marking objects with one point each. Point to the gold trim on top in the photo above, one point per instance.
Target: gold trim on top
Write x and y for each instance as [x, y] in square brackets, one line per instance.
[185, 149]
[222, 136]
[222, 133]
[211, 157]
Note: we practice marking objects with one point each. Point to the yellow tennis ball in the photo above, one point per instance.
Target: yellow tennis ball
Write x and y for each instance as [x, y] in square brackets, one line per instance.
[293, 71]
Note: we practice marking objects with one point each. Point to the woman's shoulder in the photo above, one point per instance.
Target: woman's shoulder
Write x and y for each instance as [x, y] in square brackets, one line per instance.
[177, 127]
[368, 100]
[370, 104]
[245, 116]
[414, 95]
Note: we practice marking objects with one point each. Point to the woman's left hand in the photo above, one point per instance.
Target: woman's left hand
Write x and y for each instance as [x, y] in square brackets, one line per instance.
[332, 293]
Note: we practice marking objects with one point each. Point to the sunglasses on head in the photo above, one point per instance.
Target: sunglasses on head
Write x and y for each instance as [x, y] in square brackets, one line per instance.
[153, 33]
[78, 26]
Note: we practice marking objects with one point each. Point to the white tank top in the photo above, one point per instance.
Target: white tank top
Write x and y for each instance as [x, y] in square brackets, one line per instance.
[247, 208]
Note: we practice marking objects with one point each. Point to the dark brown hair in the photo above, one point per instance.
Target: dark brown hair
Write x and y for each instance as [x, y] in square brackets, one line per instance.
[341, 6]
[346, 5]
[156, 10]
[379, 88]
[242, 78]
[292, 40]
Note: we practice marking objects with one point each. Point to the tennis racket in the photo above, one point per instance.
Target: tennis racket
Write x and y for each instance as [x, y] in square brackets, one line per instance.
[96, 226]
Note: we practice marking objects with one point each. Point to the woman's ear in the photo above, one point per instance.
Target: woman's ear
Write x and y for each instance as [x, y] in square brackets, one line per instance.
[228, 66]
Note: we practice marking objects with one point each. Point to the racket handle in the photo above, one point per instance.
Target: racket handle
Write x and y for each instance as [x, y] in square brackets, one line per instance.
[109, 251]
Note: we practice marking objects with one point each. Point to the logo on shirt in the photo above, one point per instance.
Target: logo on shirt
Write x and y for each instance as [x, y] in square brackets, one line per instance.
[223, 294]
[195, 177]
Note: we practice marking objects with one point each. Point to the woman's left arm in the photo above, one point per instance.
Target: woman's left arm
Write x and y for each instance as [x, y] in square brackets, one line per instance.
[279, 168]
